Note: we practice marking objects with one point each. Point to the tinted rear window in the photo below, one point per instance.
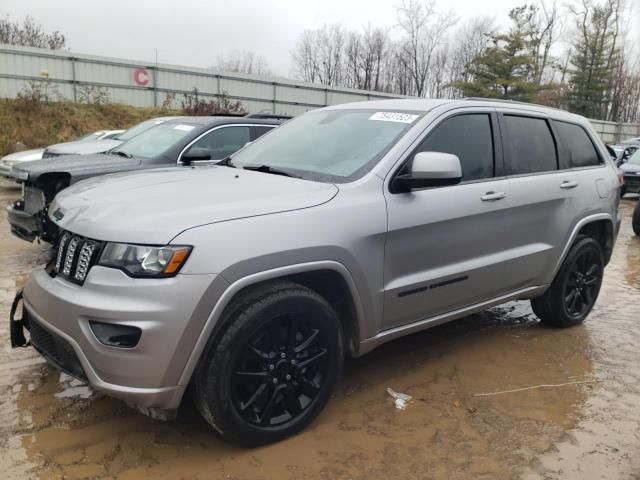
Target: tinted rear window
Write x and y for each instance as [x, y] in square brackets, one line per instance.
[529, 145]
[578, 147]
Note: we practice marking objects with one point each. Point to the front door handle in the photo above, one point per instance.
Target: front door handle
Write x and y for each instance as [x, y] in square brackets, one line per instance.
[493, 196]
[567, 184]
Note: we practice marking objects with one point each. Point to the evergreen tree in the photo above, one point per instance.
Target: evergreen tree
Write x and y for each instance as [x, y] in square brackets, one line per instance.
[506, 69]
[596, 59]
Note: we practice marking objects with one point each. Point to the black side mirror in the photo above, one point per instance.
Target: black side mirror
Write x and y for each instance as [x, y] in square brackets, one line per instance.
[196, 155]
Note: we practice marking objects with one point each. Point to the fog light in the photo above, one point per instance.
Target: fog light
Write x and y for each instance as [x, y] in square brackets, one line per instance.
[114, 335]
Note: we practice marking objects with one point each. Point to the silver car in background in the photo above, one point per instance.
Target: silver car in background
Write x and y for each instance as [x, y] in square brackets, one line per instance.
[8, 161]
[100, 142]
[347, 227]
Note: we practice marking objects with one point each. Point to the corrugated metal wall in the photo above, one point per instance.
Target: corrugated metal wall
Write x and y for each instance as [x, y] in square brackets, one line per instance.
[144, 85]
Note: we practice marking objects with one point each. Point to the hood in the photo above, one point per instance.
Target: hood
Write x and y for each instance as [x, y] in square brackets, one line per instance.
[83, 148]
[630, 168]
[153, 206]
[79, 166]
[25, 155]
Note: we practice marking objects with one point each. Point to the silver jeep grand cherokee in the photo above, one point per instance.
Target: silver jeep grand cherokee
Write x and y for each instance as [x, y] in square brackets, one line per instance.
[249, 281]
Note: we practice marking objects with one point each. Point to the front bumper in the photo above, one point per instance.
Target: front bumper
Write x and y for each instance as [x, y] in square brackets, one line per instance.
[24, 225]
[145, 376]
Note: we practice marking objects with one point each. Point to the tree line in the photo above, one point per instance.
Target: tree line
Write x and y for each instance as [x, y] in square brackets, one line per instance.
[578, 57]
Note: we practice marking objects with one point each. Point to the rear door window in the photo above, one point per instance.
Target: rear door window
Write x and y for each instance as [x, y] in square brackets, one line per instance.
[529, 145]
[579, 150]
[468, 136]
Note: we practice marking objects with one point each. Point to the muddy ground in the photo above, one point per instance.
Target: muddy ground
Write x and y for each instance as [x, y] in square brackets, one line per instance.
[51, 427]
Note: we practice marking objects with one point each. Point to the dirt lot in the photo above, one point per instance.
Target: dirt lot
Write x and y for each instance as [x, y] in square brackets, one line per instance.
[51, 427]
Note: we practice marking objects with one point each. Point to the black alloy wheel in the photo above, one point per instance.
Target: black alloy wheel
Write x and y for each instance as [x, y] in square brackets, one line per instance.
[574, 290]
[582, 283]
[273, 366]
[279, 372]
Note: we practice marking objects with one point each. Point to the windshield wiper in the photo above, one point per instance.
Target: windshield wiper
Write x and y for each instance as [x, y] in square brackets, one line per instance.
[270, 169]
[121, 153]
[226, 162]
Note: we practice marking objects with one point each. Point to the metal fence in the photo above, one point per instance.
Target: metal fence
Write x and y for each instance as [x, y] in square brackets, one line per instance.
[143, 84]
[612, 132]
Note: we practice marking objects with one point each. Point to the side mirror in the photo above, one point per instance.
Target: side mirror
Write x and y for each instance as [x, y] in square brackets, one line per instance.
[429, 169]
[196, 155]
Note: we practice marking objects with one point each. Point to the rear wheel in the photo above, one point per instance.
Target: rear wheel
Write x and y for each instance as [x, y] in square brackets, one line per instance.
[275, 366]
[635, 220]
[575, 289]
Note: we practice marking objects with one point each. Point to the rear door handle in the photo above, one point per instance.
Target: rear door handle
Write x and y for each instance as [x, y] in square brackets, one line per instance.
[493, 196]
[567, 184]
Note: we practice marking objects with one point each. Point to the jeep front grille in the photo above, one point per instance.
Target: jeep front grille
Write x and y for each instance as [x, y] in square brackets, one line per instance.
[75, 255]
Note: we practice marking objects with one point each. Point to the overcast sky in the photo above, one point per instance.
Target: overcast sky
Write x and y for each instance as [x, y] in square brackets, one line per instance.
[195, 32]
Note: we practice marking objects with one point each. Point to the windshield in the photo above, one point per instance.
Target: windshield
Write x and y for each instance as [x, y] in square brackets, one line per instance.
[332, 145]
[154, 141]
[138, 129]
[635, 158]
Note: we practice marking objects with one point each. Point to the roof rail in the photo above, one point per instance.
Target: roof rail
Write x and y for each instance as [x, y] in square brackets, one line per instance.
[483, 99]
[515, 102]
[269, 116]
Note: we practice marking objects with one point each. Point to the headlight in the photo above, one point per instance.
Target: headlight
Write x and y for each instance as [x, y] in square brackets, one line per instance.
[144, 261]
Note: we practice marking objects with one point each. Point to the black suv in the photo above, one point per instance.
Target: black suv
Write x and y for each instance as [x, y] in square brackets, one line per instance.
[175, 142]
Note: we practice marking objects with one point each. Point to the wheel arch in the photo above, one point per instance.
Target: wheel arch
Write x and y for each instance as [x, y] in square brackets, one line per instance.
[600, 227]
[332, 280]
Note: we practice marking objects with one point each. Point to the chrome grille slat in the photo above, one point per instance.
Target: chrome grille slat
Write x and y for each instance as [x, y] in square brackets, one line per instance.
[75, 255]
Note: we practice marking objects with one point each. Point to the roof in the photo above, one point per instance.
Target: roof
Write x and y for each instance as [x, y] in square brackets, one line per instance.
[423, 105]
[221, 120]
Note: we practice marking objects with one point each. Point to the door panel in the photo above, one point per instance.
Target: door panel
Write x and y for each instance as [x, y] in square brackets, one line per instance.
[543, 198]
[445, 249]
[445, 245]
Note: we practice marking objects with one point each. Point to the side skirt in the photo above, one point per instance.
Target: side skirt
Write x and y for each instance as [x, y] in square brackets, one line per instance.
[393, 333]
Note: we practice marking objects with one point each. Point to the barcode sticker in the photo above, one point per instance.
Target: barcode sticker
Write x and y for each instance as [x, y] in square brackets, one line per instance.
[393, 117]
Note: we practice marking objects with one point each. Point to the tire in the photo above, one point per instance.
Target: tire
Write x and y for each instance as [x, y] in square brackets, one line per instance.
[635, 219]
[575, 289]
[258, 383]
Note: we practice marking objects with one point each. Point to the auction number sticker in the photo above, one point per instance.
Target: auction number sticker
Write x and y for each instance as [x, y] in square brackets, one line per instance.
[185, 128]
[393, 117]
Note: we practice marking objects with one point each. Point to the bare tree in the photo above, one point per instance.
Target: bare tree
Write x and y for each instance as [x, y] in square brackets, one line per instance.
[29, 34]
[243, 62]
[306, 57]
[472, 38]
[425, 30]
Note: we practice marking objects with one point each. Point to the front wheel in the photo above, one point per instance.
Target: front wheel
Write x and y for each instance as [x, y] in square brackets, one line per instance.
[273, 369]
[574, 291]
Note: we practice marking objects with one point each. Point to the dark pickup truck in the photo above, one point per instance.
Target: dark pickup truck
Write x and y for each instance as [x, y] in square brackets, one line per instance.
[179, 141]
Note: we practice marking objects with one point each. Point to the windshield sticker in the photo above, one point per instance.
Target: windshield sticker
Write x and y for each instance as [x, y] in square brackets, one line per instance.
[185, 128]
[393, 117]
